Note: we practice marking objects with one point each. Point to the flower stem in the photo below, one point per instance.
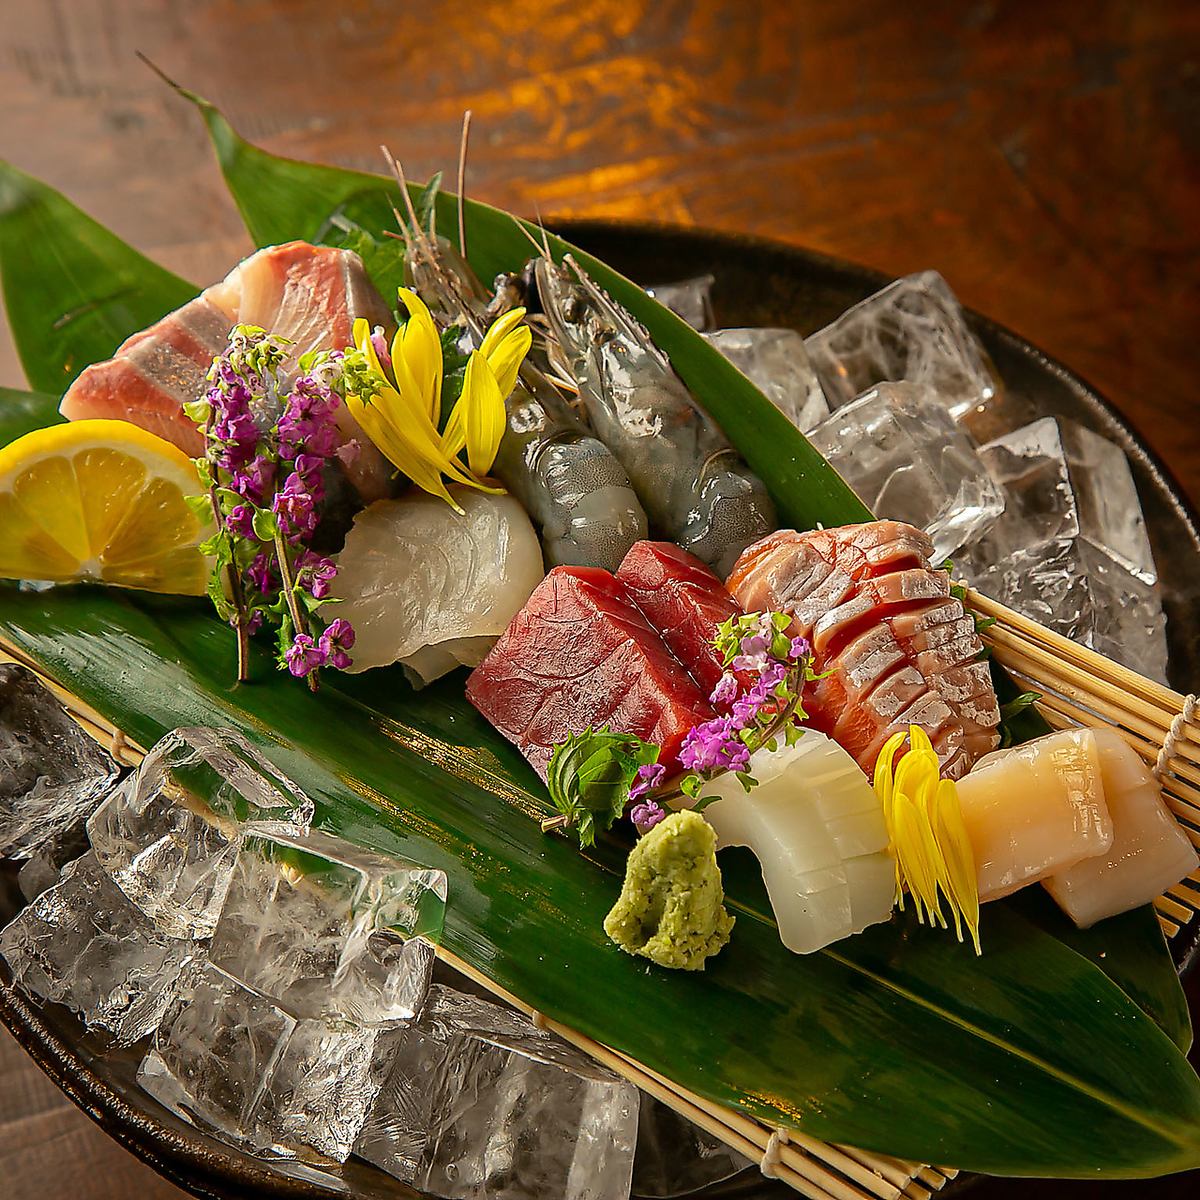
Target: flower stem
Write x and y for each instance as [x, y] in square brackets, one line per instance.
[288, 582]
[233, 575]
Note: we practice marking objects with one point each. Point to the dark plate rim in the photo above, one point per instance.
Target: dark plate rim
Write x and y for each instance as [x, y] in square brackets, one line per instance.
[208, 1168]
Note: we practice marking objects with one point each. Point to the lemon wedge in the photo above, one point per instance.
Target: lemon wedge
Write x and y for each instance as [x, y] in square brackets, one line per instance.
[102, 501]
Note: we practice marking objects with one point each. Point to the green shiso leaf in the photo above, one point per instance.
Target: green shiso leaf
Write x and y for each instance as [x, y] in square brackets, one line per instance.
[1029, 1060]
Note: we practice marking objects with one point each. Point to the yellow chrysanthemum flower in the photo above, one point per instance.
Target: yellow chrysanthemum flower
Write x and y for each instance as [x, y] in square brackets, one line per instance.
[934, 859]
[399, 408]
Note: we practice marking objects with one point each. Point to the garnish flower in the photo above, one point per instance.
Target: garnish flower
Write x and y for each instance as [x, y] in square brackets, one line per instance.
[267, 445]
[396, 396]
[934, 860]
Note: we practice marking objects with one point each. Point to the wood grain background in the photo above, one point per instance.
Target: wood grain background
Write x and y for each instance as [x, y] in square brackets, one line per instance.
[1044, 156]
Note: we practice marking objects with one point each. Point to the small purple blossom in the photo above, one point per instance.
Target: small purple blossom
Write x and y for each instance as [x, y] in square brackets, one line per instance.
[314, 573]
[800, 648]
[304, 656]
[381, 348]
[261, 573]
[240, 521]
[255, 481]
[335, 641]
[648, 776]
[726, 690]
[714, 745]
[296, 509]
[646, 815]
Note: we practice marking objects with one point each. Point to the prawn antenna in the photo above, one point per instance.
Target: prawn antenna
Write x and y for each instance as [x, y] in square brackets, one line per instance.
[545, 239]
[414, 222]
[462, 183]
[527, 235]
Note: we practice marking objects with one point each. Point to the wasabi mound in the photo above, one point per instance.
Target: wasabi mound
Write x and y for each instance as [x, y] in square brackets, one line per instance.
[672, 906]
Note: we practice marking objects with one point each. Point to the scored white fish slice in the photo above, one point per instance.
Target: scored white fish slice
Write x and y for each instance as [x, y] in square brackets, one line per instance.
[817, 829]
[429, 587]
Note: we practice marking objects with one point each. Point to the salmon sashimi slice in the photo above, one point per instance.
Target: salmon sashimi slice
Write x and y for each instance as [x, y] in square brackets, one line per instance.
[310, 295]
[894, 646]
[684, 600]
[581, 654]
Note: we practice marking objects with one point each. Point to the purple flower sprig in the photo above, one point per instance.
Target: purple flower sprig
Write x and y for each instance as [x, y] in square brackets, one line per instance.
[268, 441]
[760, 695]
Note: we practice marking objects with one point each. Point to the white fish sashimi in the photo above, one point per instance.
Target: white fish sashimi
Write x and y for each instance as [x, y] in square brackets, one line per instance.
[1149, 851]
[816, 827]
[431, 588]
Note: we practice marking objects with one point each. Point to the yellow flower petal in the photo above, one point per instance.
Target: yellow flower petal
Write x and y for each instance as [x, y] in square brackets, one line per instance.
[501, 327]
[505, 346]
[483, 415]
[419, 348]
[956, 852]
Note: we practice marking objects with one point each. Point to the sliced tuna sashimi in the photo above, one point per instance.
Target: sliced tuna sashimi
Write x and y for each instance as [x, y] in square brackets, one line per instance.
[684, 600]
[308, 294]
[895, 647]
[581, 654]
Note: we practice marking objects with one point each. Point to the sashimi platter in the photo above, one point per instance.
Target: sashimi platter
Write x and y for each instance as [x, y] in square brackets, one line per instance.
[457, 729]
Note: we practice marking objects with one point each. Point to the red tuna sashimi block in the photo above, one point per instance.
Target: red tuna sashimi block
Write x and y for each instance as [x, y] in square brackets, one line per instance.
[581, 654]
[684, 601]
[307, 294]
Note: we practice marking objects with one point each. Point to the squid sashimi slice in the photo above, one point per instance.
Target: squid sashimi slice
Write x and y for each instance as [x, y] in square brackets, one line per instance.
[816, 827]
[1149, 853]
[684, 600]
[1035, 810]
[431, 588]
[308, 294]
[579, 655]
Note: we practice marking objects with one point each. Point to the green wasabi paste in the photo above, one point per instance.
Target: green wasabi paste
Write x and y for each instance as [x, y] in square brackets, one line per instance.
[672, 906]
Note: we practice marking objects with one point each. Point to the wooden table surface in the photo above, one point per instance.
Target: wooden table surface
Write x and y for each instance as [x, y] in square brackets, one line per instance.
[1045, 157]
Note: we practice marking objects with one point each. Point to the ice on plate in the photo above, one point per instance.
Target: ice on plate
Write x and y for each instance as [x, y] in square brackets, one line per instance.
[905, 457]
[172, 852]
[327, 929]
[914, 330]
[51, 773]
[397, 1131]
[675, 1157]
[83, 944]
[776, 362]
[1071, 549]
[515, 1117]
[690, 299]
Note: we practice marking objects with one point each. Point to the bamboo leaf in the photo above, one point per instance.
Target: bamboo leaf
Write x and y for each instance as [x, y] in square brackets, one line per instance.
[23, 412]
[1030, 1060]
[73, 290]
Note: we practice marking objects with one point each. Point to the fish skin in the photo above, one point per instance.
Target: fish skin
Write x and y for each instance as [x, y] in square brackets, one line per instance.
[894, 647]
[310, 294]
[581, 654]
[684, 600]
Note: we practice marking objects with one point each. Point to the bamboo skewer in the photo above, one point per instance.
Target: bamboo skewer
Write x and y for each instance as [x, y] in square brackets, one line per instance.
[1078, 687]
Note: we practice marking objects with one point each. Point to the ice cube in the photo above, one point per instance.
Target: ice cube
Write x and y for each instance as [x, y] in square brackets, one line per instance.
[690, 299]
[327, 929]
[516, 1117]
[776, 362]
[914, 330]
[51, 772]
[233, 1060]
[1067, 481]
[1074, 589]
[395, 1134]
[675, 1157]
[171, 851]
[82, 944]
[41, 871]
[904, 456]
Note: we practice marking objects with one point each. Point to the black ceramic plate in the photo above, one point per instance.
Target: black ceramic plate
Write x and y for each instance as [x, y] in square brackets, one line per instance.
[757, 283]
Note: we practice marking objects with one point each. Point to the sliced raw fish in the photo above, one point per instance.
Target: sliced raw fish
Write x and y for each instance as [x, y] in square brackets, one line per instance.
[432, 588]
[817, 829]
[1149, 853]
[894, 646]
[308, 294]
[684, 600]
[581, 654]
[1035, 810]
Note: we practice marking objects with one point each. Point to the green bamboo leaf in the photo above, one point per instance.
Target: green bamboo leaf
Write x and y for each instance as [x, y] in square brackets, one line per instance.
[23, 412]
[1029, 1060]
[73, 290]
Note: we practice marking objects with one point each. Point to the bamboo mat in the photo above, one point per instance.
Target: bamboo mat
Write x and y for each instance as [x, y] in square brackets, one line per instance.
[1079, 687]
